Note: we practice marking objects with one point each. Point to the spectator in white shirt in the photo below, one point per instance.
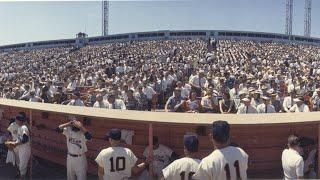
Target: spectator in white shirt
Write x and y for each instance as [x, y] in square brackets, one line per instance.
[299, 106]
[114, 103]
[99, 102]
[150, 92]
[77, 100]
[34, 98]
[288, 101]
[246, 107]
[265, 107]
[198, 83]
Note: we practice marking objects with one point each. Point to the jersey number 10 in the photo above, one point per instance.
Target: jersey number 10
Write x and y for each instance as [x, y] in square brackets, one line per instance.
[120, 164]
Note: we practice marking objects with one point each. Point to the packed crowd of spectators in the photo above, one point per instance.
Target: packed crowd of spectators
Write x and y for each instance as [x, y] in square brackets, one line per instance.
[184, 75]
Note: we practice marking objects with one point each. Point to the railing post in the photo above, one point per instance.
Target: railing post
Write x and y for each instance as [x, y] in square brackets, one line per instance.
[30, 120]
[151, 150]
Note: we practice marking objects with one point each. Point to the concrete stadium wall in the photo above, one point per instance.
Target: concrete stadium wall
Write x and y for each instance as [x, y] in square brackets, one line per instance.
[153, 35]
[263, 136]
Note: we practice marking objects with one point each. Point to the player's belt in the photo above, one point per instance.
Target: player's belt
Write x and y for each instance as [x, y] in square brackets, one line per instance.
[74, 155]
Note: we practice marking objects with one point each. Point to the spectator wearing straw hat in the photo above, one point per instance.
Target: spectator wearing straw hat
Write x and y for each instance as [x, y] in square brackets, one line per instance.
[265, 107]
[299, 106]
[246, 107]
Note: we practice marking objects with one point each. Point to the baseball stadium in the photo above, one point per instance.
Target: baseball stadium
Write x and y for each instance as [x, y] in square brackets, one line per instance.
[163, 104]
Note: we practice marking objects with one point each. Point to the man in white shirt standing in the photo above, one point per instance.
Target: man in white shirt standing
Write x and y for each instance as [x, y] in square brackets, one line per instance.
[150, 92]
[185, 167]
[198, 83]
[76, 135]
[225, 162]
[292, 161]
[116, 162]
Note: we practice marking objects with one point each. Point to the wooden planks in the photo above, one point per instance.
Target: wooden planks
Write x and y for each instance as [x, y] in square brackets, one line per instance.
[263, 142]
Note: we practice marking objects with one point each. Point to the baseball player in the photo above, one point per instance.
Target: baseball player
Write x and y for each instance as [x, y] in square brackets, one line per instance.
[76, 135]
[185, 167]
[13, 133]
[226, 161]
[116, 162]
[22, 144]
[162, 156]
[292, 161]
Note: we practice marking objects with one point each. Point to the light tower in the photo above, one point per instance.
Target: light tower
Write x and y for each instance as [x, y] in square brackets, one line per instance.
[307, 18]
[289, 12]
[105, 18]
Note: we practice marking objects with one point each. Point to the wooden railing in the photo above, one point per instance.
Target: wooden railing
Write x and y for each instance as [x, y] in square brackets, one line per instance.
[262, 136]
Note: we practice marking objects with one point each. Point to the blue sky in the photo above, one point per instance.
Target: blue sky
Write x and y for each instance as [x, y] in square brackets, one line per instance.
[34, 21]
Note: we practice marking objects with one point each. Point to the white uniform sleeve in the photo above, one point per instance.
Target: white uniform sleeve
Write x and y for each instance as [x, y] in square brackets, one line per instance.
[299, 167]
[99, 159]
[133, 158]
[168, 171]
[203, 172]
[25, 130]
[10, 128]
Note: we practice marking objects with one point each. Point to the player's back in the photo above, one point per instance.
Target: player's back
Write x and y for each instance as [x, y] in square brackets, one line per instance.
[117, 162]
[226, 163]
[182, 168]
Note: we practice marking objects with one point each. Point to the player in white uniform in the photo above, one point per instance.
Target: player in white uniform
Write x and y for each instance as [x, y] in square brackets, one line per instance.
[292, 161]
[162, 156]
[76, 136]
[13, 131]
[225, 162]
[185, 167]
[22, 144]
[116, 162]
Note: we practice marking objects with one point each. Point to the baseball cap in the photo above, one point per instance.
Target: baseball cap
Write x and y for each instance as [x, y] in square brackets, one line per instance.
[220, 131]
[20, 117]
[114, 134]
[191, 143]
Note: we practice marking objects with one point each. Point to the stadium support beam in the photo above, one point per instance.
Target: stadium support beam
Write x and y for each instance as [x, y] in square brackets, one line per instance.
[105, 18]
[289, 12]
[307, 18]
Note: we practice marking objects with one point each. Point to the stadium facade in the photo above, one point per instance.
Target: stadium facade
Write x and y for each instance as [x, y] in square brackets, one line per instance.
[82, 39]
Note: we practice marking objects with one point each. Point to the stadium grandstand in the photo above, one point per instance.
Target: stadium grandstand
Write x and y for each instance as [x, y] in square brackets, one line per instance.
[169, 104]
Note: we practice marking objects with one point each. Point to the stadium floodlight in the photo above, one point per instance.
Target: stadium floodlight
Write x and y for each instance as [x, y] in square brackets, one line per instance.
[307, 18]
[105, 18]
[289, 12]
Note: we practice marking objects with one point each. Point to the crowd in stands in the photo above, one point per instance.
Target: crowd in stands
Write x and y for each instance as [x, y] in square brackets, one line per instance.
[182, 75]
